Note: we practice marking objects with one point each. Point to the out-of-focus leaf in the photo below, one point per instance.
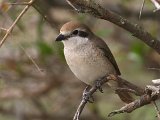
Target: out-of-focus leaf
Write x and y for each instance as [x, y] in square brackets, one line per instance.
[138, 50]
[4, 6]
[81, 17]
[103, 32]
[136, 58]
[44, 48]
[58, 48]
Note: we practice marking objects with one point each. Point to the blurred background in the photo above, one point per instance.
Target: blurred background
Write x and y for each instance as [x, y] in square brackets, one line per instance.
[52, 92]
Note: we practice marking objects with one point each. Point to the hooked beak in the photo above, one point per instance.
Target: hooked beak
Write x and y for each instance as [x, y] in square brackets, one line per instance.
[60, 37]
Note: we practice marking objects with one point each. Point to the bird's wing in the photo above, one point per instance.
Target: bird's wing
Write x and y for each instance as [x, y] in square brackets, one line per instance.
[107, 52]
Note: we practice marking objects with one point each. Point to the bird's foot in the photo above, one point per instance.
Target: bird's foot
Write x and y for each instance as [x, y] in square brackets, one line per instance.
[86, 95]
[99, 85]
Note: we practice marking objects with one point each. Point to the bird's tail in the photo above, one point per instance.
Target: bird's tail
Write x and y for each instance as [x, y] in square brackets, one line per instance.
[123, 95]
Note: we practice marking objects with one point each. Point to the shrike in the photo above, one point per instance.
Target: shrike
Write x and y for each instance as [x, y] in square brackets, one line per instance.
[87, 55]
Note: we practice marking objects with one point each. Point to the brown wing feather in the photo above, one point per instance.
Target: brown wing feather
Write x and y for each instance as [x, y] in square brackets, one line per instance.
[107, 52]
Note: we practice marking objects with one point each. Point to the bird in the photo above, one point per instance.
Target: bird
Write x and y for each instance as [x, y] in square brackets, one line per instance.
[87, 55]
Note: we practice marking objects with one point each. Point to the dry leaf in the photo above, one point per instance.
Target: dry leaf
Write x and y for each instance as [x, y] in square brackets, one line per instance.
[4, 6]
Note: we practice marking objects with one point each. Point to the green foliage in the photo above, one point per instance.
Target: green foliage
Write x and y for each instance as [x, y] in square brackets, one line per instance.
[44, 48]
[81, 17]
[139, 49]
[58, 48]
[103, 32]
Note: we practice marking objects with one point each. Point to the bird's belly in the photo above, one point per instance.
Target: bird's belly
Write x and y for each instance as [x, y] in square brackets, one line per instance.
[89, 73]
[90, 67]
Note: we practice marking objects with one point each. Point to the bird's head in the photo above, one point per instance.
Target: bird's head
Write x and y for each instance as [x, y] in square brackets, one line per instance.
[74, 32]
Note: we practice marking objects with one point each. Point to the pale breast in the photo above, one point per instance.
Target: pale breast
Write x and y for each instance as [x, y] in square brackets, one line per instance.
[88, 63]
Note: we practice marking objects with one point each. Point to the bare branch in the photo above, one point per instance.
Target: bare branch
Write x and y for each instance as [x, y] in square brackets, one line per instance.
[24, 3]
[90, 93]
[156, 82]
[87, 6]
[3, 29]
[137, 90]
[32, 60]
[152, 93]
[156, 4]
[142, 6]
[15, 22]
[28, 4]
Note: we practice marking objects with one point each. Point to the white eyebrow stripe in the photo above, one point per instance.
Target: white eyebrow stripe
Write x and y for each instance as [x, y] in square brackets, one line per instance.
[65, 32]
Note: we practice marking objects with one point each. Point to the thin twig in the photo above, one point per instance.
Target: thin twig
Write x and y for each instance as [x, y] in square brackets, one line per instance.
[24, 3]
[13, 25]
[156, 4]
[157, 69]
[142, 6]
[3, 29]
[15, 22]
[157, 109]
[32, 60]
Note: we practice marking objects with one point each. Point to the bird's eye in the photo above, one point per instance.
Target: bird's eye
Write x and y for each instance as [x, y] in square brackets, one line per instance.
[83, 34]
[75, 32]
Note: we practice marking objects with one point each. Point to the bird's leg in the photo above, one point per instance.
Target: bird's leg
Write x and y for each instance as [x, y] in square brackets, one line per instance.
[86, 95]
[98, 84]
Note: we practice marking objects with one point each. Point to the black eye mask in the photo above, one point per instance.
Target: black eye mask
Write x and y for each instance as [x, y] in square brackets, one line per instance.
[80, 33]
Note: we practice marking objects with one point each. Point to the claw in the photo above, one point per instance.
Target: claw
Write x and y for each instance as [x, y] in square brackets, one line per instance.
[98, 85]
[86, 96]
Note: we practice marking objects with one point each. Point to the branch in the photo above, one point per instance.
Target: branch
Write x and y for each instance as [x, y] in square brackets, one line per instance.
[156, 82]
[156, 4]
[8, 31]
[119, 9]
[157, 109]
[137, 90]
[31, 59]
[152, 93]
[147, 96]
[90, 93]
[43, 8]
[87, 6]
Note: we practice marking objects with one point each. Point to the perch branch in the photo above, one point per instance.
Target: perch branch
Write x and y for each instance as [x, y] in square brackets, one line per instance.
[90, 93]
[87, 6]
[137, 90]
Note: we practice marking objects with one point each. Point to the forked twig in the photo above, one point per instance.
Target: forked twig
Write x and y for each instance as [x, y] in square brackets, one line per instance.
[15, 22]
[8, 31]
